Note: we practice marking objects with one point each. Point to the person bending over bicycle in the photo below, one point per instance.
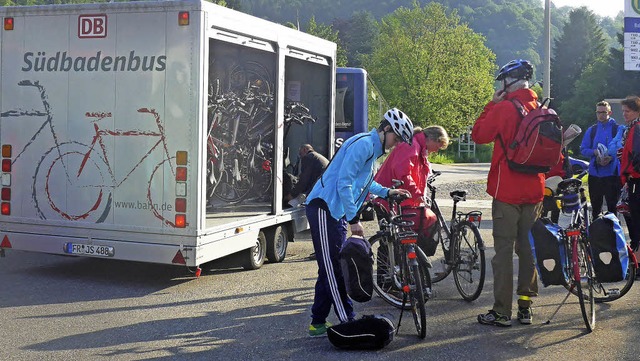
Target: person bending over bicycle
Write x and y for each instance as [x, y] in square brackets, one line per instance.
[409, 163]
[517, 197]
[335, 199]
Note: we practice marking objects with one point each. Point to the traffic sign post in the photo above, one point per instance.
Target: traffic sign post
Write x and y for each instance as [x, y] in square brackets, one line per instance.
[632, 35]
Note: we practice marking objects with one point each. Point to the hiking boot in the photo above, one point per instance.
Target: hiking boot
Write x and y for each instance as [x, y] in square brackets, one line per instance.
[525, 315]
[494, 318]
[317, 330]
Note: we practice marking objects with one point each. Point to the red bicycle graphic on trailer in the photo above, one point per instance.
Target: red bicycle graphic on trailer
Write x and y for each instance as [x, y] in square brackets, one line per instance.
[88, 171]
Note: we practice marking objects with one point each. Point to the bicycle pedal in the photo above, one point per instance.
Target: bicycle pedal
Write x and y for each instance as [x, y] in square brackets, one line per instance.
[613, 292]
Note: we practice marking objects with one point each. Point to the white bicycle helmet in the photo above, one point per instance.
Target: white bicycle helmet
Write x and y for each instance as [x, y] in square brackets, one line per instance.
[400, 123]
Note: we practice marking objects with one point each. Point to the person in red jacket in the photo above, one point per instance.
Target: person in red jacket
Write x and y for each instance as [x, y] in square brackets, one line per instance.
[517, 197]
[410, 164]
[630, 166]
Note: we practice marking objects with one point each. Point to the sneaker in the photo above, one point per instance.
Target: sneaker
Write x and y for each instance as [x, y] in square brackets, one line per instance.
[320, 329]
[525, 315]
[494, 318]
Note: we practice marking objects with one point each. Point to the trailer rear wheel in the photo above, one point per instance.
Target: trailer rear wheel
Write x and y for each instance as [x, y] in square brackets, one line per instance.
[277, 241]
[253, 258]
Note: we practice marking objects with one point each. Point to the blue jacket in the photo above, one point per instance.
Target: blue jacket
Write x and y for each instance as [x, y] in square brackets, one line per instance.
[349, 177]
[603, 135]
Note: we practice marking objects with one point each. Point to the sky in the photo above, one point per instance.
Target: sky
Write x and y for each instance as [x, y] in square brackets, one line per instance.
[601, 7]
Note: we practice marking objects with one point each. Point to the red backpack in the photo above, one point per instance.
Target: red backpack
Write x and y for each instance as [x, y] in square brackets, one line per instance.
[537, 145]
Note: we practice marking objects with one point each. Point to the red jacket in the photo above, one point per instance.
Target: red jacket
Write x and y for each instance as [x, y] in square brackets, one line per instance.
[626, 168]
[406, 163]
[501, 119]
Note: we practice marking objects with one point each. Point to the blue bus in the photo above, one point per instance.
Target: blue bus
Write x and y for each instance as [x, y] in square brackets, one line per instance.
[358, 102]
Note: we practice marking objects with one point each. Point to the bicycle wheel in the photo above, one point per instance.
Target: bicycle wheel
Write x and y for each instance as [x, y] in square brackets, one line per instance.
[612, 291]
[387, 281]
[584, 280]
[415, 277]
[469, 270]
[440, 265]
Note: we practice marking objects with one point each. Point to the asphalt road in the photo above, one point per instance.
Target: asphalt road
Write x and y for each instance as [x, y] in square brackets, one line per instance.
[68, 308]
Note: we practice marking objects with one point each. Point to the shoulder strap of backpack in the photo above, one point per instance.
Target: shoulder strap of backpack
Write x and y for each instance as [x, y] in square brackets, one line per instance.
[592, 135]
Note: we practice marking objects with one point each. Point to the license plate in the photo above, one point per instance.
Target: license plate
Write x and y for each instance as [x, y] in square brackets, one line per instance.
[89, 249]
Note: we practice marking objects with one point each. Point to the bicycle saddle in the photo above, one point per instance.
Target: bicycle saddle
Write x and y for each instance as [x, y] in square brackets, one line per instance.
[458, 194]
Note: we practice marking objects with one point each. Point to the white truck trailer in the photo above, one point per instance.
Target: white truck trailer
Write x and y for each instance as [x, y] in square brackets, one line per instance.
[156, 131]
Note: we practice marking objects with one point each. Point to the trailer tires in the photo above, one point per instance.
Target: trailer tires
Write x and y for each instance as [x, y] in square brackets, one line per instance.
[253, 258]
[277, 241]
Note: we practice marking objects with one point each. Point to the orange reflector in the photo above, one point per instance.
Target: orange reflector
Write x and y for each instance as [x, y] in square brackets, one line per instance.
[5, 208]
[8, 23]
[574, 232]
[6, 151]
[412, 255]
[181, 157]
[6, 165]
[474, 218]
[408, 240]
[181, 174]
[179, 258]
[6, 194]
[181, 205]
[5, 243]
[183, 18]
[181, 220]
[406, 289]
[239, 229]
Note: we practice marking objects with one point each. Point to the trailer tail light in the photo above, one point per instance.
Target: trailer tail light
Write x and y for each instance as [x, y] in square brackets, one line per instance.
[181, 205]
[181, 174]
[6, 165]
[181, 220]
[6, 151]
[181, 157]
[183, 18]
[6, 194]
[8, 23]
[5, 208]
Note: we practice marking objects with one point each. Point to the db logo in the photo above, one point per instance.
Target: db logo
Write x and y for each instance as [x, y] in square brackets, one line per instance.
[92, 26]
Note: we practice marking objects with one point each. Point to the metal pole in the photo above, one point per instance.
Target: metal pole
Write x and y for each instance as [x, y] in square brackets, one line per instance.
[546, 90]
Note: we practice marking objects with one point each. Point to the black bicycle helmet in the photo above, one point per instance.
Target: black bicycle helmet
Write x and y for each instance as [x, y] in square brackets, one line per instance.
[517, 69]
[400, 123]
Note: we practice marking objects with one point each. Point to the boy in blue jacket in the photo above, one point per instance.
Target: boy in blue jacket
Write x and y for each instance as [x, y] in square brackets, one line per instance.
[335, 200]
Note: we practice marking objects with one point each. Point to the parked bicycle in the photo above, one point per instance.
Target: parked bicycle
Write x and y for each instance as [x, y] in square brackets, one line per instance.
[400, 269]
[460, 248]
[582, 280]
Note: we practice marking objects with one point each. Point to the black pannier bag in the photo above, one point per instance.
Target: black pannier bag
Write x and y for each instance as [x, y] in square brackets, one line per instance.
[356, 261]
[371, 332]
[548, 252]
[608, 248]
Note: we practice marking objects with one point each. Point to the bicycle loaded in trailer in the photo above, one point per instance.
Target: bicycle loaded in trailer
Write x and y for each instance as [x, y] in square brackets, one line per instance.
[167, 137]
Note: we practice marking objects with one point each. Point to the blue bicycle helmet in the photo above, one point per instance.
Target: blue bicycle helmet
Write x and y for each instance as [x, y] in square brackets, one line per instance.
[517, 69]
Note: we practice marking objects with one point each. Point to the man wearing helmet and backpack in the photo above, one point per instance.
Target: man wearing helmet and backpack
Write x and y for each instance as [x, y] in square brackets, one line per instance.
[335, 200]
[517, 196]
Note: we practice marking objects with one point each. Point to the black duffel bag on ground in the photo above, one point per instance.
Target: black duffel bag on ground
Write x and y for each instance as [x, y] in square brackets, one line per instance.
[371, 332]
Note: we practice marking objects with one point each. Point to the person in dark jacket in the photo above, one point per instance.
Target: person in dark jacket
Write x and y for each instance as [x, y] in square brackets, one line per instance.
[312, 164]
[517, 197]
[604, 169]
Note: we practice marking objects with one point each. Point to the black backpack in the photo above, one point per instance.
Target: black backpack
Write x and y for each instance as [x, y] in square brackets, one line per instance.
[356, 260]
[608, 248]
[370, 332]
[548, 252]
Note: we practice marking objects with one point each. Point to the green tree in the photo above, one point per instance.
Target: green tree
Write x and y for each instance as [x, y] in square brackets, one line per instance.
[357, 36]
[581, 44]
[432, 67]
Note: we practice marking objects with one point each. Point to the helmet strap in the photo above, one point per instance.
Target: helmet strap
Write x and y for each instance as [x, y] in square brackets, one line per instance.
[506, 86]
